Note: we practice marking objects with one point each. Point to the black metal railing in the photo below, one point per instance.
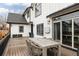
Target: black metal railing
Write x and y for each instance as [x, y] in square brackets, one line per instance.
[4, 43]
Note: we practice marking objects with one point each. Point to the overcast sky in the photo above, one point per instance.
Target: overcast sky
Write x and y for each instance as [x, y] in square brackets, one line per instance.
[12, 7]
[5, 8]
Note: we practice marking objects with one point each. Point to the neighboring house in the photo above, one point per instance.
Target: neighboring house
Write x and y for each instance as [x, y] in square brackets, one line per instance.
[18, 25]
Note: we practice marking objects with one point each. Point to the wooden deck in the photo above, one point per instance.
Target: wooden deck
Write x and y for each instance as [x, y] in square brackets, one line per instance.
[17, 47]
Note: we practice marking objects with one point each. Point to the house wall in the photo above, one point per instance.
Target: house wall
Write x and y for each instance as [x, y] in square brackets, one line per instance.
[47, 8]
[15, 29]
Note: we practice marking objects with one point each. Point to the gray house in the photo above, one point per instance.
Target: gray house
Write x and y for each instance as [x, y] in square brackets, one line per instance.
[18, 25]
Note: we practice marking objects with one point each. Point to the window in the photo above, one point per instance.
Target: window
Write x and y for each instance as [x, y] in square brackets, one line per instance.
[57, 31]
[21, 29]
[76, 33]
[67, 32]
[40, 29]
[37, 9]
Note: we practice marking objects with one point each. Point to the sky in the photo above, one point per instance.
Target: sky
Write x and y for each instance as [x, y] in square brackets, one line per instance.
[5, 8]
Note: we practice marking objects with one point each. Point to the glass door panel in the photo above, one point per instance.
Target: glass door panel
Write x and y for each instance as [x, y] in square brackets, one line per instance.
[76, 33]
[57, 31]
[67, 32]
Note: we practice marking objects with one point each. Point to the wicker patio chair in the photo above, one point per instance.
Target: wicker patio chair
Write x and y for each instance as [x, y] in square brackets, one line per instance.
[36, 50]
[29, 47]
[53, 51]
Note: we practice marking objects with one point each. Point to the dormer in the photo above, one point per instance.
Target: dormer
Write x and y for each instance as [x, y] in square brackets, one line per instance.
[27, 14]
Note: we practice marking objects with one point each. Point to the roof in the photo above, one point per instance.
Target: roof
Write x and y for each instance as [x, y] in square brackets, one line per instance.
[14, 18]
[27, 9]
[67, 10]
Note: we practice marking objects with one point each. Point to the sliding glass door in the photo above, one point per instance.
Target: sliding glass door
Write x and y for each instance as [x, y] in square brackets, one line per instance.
[76, 33]
[67, 32]
[57, 31]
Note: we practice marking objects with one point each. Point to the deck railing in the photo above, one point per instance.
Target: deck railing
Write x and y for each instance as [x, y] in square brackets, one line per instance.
[3, 43]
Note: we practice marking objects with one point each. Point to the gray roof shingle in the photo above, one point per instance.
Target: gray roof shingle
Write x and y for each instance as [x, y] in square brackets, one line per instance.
[14, 18]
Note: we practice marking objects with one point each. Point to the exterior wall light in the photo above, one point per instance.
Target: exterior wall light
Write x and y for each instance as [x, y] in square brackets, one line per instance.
[48, 21]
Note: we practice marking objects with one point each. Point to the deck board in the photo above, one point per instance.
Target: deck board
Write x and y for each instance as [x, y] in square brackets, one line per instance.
[16, 47]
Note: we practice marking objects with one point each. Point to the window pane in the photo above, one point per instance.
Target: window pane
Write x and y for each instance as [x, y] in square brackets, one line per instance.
[57, 31]
[40, 29]
[67, 32]
[37, 9]
[76, 33]
[21, 29]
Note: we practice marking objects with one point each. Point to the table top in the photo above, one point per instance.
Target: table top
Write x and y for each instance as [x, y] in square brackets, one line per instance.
[44, 42]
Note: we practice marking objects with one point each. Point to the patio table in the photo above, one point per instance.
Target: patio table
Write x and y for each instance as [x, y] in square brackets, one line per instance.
[44, 44]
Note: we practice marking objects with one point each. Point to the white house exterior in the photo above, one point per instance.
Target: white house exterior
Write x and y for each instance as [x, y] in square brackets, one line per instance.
[47, 29]
[45, 9]
[41, 21]
[18, 25]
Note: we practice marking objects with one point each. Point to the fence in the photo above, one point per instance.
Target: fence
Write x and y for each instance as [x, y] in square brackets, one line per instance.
[3, 43]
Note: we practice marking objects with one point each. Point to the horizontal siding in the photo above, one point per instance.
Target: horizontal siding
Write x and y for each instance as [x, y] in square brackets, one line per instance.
[15, 29]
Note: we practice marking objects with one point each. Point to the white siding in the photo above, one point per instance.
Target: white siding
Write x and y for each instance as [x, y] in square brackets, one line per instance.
[15, 29]
[47, 8]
